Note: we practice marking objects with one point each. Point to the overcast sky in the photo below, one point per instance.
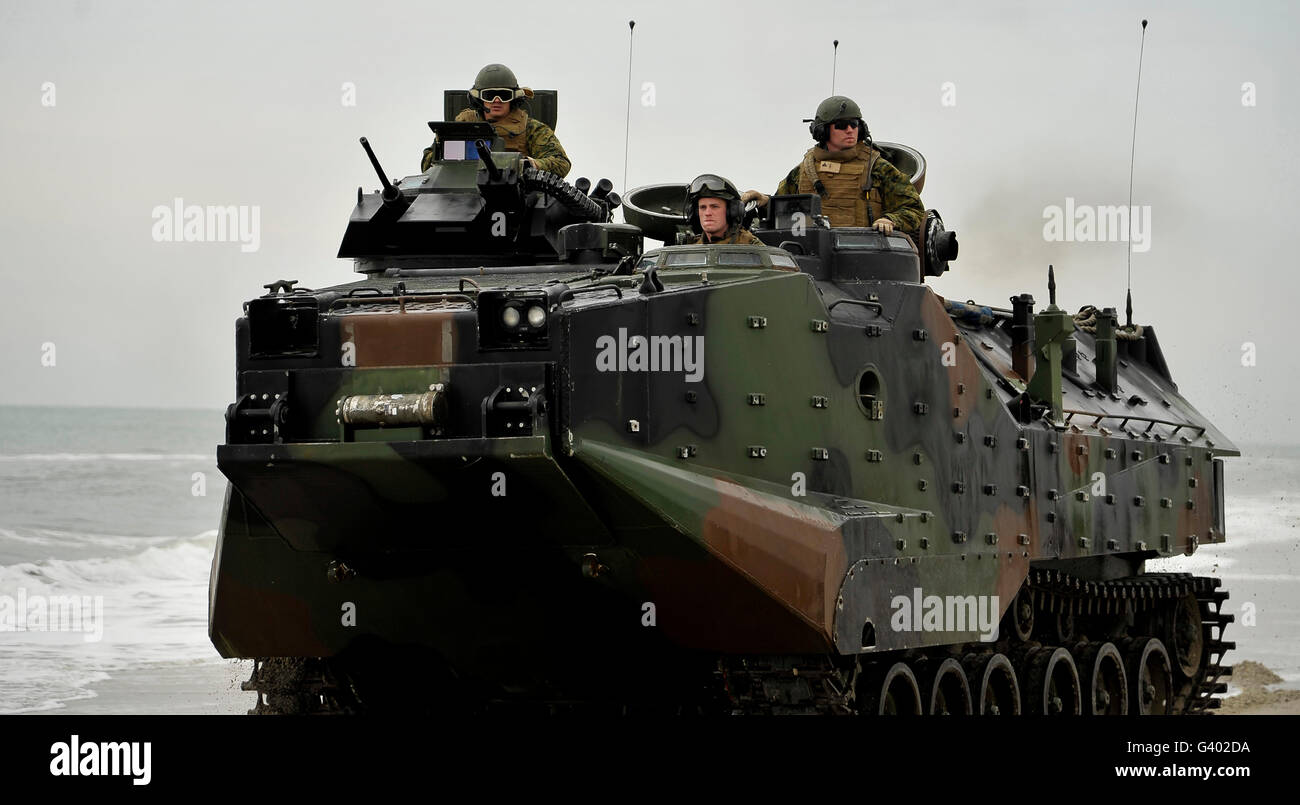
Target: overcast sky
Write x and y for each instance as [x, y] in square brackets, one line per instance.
[111, 109]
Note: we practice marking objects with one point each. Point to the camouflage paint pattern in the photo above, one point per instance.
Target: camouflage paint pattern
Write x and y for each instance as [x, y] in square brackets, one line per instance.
[957, 500]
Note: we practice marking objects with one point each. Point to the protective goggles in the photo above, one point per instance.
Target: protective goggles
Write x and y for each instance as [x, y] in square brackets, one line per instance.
[844, 125]
[710, 183]
[503, 94]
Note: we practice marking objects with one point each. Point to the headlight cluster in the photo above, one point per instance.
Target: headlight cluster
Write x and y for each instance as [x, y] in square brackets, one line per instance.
[514, 319]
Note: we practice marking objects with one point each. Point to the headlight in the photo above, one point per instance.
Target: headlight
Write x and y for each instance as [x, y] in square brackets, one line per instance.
[536, 316]
[510, 317]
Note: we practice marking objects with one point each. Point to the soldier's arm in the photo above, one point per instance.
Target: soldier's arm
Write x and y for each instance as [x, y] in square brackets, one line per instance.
[545, 151]
[790, 184]
[787, 185]
[427, 159]
[902, 203]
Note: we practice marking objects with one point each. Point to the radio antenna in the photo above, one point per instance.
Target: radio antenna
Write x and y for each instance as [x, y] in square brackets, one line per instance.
[835, 57]
[627, 121]
[1128, 245]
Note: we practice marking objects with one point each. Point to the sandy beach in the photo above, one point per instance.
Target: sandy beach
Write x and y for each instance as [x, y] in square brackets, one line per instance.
[1260, 692]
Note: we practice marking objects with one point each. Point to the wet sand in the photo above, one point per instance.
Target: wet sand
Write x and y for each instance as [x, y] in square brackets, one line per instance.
[1288, 706]
[206, 688]
[212, 688]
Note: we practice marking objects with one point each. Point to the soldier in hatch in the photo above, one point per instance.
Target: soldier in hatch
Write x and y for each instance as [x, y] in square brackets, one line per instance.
[858, 186]
[497, 98]
[714, 208]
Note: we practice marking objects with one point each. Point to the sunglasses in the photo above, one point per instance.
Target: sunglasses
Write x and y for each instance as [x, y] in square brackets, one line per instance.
[845, 125]
[503, 94]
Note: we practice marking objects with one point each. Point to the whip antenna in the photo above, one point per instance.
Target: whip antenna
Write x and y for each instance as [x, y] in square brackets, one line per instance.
[627, 121]
[835, 56]
[1128, 245]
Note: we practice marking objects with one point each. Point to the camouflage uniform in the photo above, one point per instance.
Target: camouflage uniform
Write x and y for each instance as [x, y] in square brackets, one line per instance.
[532, 138]
[849, 198]
[736, 235]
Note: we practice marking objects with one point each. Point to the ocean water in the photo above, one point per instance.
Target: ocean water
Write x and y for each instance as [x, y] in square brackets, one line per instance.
[113, 513]
[119, 507]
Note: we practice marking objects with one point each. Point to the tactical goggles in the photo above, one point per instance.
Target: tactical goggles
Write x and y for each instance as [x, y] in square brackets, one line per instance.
[844, 125]
[503, 94]
[709, 182]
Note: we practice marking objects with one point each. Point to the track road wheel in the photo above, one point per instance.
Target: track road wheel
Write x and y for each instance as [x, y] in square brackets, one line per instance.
[1019, 620]
[1051, 682]
[889, 691]
[1103, 679]
[1150, 676]
[1054, 627]
[1184, 636]
[995, 690]
[1064, 627]
[949, 690]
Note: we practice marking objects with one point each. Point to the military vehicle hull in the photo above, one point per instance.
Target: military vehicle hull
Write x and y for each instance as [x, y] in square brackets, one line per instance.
[767, 501]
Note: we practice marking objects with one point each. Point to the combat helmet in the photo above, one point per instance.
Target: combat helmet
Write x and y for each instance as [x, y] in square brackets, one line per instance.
[710, 185]
[836, 107]
[497, 77]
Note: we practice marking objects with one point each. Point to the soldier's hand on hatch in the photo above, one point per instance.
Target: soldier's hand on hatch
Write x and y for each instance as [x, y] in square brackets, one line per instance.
[754, 195]
[884, 225]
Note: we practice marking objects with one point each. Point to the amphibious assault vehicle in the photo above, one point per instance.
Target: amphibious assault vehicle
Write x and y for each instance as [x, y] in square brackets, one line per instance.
[523, 462]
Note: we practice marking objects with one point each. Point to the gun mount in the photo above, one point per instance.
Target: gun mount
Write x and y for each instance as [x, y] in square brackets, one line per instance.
[477, 203]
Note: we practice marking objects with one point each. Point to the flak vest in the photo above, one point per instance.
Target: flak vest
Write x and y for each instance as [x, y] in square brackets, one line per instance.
[849, 197]
[513, 128]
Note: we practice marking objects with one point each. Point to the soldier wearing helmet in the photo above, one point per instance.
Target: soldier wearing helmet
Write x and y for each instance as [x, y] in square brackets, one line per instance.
[497, 98]
[858, 186]
[714, 208]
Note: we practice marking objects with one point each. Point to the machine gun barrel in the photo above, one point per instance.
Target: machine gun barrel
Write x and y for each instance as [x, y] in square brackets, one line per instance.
[390, 193]
[485, 154]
